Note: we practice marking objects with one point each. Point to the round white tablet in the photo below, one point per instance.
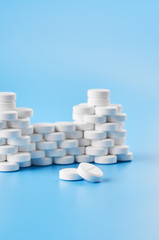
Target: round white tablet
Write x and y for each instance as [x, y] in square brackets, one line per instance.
[3, 157]
[107, 110]
[83, 108]
[109, 159]
[45, 161]
[45, 145]
[119, 149]
[7, 97]
[25, 164]
[119, 141]
[59, 152]
[24, 112]
[7, 106]
[106, 127]
[37, 154]
[8, 115]
[117, 134]
[74, 135]
[75, 151]
[8, 149]
[78, 117]
[9, 167]
[10, 133]
[36, 137]
[64, 160]
[83, 142]
[94, 119]
[83, 158]
[69, 174]
[84, 126]
[2, 141]
[95, 134]
[55, 136]
[104, 143]
[27, 131]
[44, 127]
[70, 143]
[117, 118]
[98, 102]
[98, 93]
[119, 107]
[64, 126]
[27, 148]
[94, 151]
[19, 123]
[21, 141]
[19, 157]
[89, 172]
[125, 157]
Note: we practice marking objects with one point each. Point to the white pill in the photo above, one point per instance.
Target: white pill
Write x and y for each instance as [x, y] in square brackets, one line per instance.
[94, 151]
[55, 136]
[27, 148]
[64, 126]
[7, 106]
[21, 141]
[19, 157]
[119, 149]
[83, 158]
[3, 124]
[119, 141]
[37, 154]
[70, 143]
[24, 112]
[98, 93]
[74, 135]
[64, 160]
[75, 151]
[117, 134]
[120, 125]
[45, 145]
[2, 141]
[3, 157]
[45, 161]
[36, 137]
[78, 117]
[125, 157]
[9, 167]
[117, 118]
[10, 133]
[83, 142]
[83, 108]
[69, 174]
[7, 97]
[89, 172]
[94, 135]
[94, 119]
[8, 149]
[59, 152]
[44, 127]
[98, 102]
[27, 131]
[107, 110]
[104, 143]
[119, 107]
[84, 126]
[19, 123]
[8, 115]
[109, 159]
[25, 164]
[106, 127]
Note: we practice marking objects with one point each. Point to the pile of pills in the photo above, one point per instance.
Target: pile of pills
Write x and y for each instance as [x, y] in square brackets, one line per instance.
[95, 135]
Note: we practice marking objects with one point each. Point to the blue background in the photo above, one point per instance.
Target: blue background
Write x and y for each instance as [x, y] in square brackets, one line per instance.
[51, 52]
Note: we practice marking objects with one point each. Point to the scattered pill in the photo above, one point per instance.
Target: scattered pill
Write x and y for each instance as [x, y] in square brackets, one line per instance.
[69, 174]
[89, 172]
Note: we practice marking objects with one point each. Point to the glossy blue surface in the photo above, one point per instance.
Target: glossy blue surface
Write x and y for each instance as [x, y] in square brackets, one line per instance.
[51, 52]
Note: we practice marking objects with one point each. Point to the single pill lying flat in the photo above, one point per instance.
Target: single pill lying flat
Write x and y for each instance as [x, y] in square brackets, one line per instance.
[64, 160]
[125, 157]
[94, 135]
[119, 149]
[10, 133]
[8, 149]
[37, 154]
[19, 123]
[9, 167]
[83, 108]
[7, 106]
[107, 110]
[24, 112]
[70, 143]
[19, 157]
[21, 141]
[98, 93]
[7, 97]
[45, 145]
[36, 137]
[59, 152]
[75, 151]
[117, 118]
[27, 131]
[69, 174]
[8, 115]
[44, 127]
[89, 172]
[108, 159]
[83, 142]
[55, 136]
[94, 151]
[106, 127]
[104, 143]
[117, 134]
[83, 158]
[45, 161]
[98, 102]
[27, 148]
[74, 134]
[64, 126]
[94, 119]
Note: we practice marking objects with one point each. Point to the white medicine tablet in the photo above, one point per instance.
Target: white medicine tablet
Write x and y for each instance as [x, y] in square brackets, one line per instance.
[83, 108]
[44, 127]
[19, 123]
[75, 151]
[55, 136]
[119, 107]
[25, 164]
[3, 157]
[59, 152]
[109, 159]
[74, 135]
[125, 157]
[119, 141]
[7, 97]
[37, 154]
[94, 151]
[7, 106]
[64, 160]
[84, 126]
[119, 149]
[70, 143]
[83, 142]
[24, 112]
[8, 149]
[89, 172]
[9, 167]
[117, 118]
[8, 115]
[94, 119]
[27, 131]
[45, 145]
[45, 161]
[69, 174]
[107, 110]
[104, 143]
[98, 93]
[27, 148]
[78, 117]
[98, 102]
[64, 126]
[117, 134]
[83, 158]
[19, 157]
[106, 127]
[21, 141]
[94, 135]
[10, 133]
[36, 137]
[2, 141]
